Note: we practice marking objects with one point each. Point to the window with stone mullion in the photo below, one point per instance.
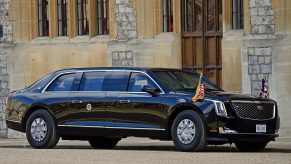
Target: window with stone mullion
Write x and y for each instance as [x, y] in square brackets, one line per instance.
[62, 17]
[237, 14]
[102, 17]
[43, 21]
[167, 15]
[82, 18]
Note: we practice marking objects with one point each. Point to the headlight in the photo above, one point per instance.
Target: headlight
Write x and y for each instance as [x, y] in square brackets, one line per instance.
[219, 108]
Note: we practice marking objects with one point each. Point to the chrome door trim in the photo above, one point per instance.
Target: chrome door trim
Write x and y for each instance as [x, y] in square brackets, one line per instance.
[107, 127]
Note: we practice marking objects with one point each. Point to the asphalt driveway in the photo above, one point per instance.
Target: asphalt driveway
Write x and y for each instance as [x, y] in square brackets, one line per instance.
[137, 151]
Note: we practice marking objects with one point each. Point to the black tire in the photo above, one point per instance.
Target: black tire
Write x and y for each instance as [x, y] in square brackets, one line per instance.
[199, 140]
[251, 146]
[51, 138]
[103, 143]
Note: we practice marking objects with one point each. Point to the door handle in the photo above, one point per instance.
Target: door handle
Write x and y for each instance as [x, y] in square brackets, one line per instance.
[124, 101]
[77, 101]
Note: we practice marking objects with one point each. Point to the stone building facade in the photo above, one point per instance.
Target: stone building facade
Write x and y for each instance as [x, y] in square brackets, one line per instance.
[5, 47]
[240, 43]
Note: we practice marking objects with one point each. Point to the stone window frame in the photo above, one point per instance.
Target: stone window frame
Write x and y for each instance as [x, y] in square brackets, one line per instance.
[82, 20]
[237, 14]
[227, 16]
[102, 16]
[62, 17]
[43, 22]
[72, 29]
[168, 15]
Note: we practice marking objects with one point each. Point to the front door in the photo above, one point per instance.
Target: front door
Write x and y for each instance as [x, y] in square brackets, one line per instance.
[139, 109]
[201, 37]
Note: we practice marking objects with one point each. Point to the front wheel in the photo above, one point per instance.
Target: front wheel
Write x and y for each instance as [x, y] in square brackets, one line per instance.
[104, 143]
[188, 131]
[251, 146]
[41, 130]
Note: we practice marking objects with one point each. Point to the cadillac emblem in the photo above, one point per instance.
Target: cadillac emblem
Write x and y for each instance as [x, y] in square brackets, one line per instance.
[260, 107]
[89, 107]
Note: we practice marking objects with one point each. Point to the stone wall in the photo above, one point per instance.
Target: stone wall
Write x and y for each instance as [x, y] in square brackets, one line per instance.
[119, 53]
[258, 45]
[5, 40]
[266, 55]
[3, 87]
[126, 20]
[127, 49]
[5, 22]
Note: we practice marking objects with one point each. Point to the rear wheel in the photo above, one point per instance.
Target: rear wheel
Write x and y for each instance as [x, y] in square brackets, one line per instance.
[41, 130]
[104, 143]
[188, 131]
[251, 146]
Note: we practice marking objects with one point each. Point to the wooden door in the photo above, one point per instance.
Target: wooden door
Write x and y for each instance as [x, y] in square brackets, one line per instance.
[201, 37]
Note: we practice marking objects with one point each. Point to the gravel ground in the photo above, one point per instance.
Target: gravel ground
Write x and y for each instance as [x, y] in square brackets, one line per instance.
[137, 151]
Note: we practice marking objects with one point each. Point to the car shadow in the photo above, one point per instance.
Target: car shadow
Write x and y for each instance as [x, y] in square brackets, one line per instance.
[209, 149]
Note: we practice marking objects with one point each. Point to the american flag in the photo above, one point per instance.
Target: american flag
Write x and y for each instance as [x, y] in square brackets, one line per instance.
[200, 90]
[264, 92]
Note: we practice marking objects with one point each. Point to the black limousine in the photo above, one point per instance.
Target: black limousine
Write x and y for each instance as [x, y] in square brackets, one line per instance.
[104, 105]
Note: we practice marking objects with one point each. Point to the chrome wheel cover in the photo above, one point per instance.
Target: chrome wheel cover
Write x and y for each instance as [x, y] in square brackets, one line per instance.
[186, 131]
[38, 129]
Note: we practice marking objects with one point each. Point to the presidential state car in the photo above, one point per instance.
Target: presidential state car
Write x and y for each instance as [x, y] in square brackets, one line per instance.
[105, 105]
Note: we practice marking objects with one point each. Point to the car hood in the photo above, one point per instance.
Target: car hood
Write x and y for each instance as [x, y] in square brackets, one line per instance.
[225, 96]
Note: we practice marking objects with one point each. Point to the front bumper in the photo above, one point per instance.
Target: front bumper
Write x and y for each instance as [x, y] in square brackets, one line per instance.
[240, 137]
[231, 130]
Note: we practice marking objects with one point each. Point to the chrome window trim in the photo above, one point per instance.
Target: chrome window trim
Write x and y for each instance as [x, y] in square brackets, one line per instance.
[107, 127]
[254, 102]
[105, 70]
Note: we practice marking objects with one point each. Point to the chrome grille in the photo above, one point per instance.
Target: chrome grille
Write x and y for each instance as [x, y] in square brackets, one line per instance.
[254, 110]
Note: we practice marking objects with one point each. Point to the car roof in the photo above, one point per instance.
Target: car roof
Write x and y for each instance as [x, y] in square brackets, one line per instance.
[144, 69]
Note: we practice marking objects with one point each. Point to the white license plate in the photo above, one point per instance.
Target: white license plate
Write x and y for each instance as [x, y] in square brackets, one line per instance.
[261, 128]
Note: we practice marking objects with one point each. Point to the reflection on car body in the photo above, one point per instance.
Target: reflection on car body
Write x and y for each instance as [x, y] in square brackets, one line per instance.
[104, 105]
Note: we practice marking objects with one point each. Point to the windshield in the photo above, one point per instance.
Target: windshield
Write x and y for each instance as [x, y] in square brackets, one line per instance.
[183, 81]
[37, 86]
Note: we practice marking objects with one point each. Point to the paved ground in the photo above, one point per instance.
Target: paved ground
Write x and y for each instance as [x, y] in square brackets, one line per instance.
[137, 151]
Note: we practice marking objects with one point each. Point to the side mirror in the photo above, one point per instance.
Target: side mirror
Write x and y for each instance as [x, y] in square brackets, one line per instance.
[151, 90]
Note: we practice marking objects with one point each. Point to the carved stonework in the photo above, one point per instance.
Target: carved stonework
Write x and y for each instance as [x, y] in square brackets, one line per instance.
[126, 20]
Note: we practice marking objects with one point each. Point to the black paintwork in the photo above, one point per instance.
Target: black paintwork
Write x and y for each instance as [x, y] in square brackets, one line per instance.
[145, 116]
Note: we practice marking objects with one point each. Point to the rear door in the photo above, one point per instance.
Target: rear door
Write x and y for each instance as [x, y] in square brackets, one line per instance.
[58, 96]
[90, 100]
[97, 97]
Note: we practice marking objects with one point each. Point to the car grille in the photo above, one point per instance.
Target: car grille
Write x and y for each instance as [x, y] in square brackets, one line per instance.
[254, 110]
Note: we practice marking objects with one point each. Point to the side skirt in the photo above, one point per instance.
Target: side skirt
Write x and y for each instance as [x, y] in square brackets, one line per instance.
[84, 132]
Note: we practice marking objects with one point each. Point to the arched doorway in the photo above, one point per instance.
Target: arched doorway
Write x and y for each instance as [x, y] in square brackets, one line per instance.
[201, 37]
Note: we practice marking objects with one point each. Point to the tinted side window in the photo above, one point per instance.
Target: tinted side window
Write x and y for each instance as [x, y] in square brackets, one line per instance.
[115, 81]
[67, 82]
[92, 81]
[138, 81]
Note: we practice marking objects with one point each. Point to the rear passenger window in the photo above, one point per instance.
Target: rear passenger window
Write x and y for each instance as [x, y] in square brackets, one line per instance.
[67, 82]
[115, 81]
[105, 81]
[138, 81]
[92, 81]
